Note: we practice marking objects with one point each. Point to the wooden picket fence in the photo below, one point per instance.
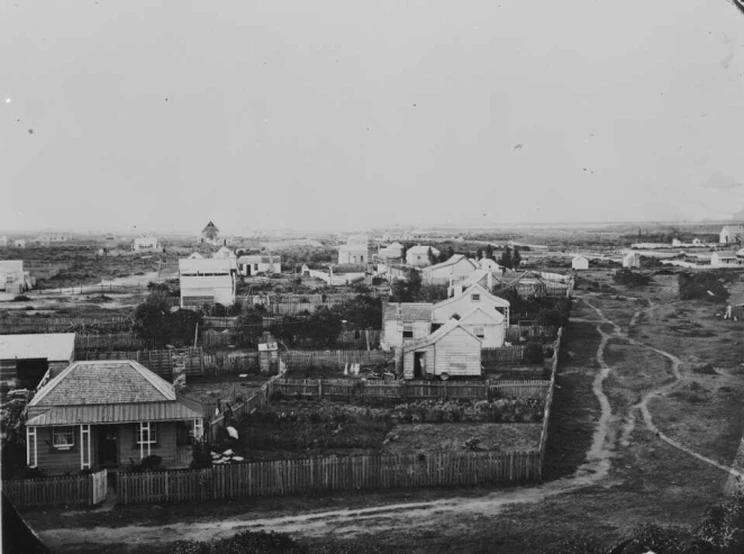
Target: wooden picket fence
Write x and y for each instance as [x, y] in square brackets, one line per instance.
[256, 401]
[303, 359]
[332, 473]
[549, 398]
[77, 490]
[117, 341]
[502, 356]
[346, 389]
[196, 361]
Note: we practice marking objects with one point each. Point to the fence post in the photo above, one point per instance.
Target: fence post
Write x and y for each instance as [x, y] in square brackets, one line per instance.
[320, 388]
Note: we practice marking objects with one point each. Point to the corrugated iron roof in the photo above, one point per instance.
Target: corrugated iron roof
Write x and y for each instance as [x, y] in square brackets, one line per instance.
[104, 382]
[110, 413]
[52, 346]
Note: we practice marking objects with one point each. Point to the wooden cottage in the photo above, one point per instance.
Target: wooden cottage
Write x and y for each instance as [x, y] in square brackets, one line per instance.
[207, 281]
[405, 321]
[26, 359]
[580, 263]
[106, 414]
[476, 296]
[259, 264]
[450, 351]
[632, 260]
[355, 251]
[418, 256]
[457, 267]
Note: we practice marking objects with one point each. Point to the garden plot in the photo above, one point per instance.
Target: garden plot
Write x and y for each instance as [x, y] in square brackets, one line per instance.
[299, 429]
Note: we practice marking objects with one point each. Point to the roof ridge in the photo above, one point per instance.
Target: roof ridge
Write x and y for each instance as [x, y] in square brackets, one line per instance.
[51, 385]
[160, 384]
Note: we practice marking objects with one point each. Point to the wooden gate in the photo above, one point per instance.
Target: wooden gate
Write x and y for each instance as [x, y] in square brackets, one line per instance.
[99, 486]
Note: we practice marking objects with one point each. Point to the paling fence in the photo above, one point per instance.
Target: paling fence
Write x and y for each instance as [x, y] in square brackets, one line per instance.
[195, 361]
[549, 398]
[303, 359]
[331, 473]
[256, 401]
[117, 341]
[346, 389]
[78, 490]
[62, 325]
[502, 356]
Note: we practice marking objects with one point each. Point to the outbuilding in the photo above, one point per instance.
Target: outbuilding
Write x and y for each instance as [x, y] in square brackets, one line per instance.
[580, 263]
[450, 351]
[26, 359]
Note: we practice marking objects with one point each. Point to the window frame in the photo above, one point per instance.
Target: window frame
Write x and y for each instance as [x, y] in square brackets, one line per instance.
[63, 431]
[152, 430]
[408, 330]
[475, 297]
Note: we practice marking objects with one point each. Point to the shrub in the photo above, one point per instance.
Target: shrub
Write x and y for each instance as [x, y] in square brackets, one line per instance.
[630, 278]
[21, 298]
[707, 285]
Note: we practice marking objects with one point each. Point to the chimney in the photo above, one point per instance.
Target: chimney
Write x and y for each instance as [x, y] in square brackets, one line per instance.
[489, 280]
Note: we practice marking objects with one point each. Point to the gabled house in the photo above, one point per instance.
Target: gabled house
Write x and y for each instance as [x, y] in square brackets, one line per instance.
[732, 234]
[13, 277]
[450, 351]
[489, 264]
[19, 243]
[405, 321]
[106, 414]
[481, 277]
[207, 281]
[392, 252]
[631, 260]
[488, 325]
[337, 275]
[195, 256]
[726, 259]
[260, 264]
[457, 267]
[145, 244]
[224, 253]
[418, 255]
[355, 251]
[211, 235]
[473, 297]
[580, 263]
[26, 359]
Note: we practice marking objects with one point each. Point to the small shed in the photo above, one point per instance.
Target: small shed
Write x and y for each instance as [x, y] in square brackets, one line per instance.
[25, 359]
[580, 263]
[632, 260]
[450, 351]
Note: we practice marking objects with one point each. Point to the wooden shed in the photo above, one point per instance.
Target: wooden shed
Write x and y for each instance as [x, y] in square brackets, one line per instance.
[450, 351]
[25, 359]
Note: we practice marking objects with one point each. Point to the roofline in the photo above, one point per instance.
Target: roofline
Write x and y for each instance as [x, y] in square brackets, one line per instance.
[467, 291]
[438, 334]
[488, 314]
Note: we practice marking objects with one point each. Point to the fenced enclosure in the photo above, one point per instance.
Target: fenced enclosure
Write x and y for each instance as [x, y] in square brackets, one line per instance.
[331, 473]
[78, 490]
[347, 389]
[17, 326]
[298, 360]
[117, 341]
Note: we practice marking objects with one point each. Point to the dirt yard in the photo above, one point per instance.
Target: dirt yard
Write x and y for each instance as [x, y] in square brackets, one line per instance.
[642, 431]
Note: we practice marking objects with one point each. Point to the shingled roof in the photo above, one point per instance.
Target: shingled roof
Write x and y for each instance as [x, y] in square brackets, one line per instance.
[409, 311]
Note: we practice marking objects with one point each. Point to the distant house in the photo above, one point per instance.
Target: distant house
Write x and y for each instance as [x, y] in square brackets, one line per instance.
[259, 264]
[579, 263]
[337, 275]
[195, 256]
[697, 242]
[13, 278]
[355, 251]
[106, 414]
[145, 244]
[732, 234]
[631, 260]
[726, 259]
[48, 239]
[450, 351]
[489, 264]
[419, 255]
[211, 235]
[19, 243]
[457, 267]
[476, 296]
[405, 321]
[676, 243]
[224, 253]
[392, 252]
[3, 242]
[207, 281]
[26, 359]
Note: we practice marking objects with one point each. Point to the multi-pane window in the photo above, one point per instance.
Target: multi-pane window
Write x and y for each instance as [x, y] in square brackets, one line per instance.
[147, 433]
[479, 332]
[475, 297]
[408, 330]
[63, 438]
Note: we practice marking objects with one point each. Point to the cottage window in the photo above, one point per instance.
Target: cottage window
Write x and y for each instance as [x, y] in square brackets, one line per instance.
[475, 297]
[63, 438]
[147, 433]
[479, 332]
[408, 330]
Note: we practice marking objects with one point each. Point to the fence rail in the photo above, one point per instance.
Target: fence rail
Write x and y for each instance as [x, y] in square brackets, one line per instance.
[303, 359]
[79, 490]
[502, 356]
[329, 474]
[412, 390]
[118, 341]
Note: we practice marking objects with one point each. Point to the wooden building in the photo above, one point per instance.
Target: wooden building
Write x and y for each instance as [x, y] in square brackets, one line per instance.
[405, 321]
[450, 351]
[106, 414]
[211, 235]
[580, 263]
[250, 265]
[355, 251]
[207, 281]
[457, 267]
[476, 296]
[418, 256]
[26, 359]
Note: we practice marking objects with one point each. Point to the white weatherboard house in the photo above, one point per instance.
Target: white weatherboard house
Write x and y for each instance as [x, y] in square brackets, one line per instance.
[580, 263]
[726, 259]
[732, 234]
[632, 260]
[457, 267]
[418, 255]
[207, 281]
[392, 251]
[450, 351]
[146, 244]
[355, 251]
[27, 358]
[13, 277]
[484, 314]
[257, 264]
[405, 321]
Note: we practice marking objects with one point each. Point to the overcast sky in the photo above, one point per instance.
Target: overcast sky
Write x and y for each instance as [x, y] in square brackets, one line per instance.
[347, 114]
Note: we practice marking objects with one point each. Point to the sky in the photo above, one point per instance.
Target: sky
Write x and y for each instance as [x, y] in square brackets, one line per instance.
[349, 114]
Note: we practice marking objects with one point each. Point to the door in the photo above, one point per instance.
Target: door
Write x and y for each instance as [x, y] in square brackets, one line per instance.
[419, 364]
[108, 451]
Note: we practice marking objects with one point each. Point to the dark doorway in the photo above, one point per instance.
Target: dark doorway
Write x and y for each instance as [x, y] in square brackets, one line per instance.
[107, 446]
[419, 364]
[30, 371]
